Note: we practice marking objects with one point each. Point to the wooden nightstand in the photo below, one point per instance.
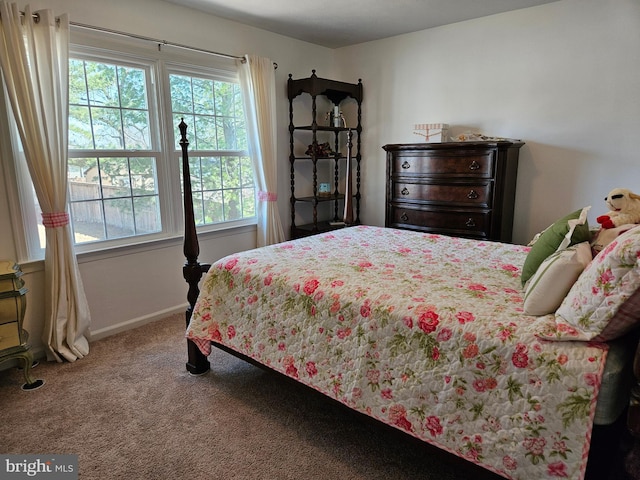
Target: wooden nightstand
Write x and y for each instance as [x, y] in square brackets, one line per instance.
[14, 340]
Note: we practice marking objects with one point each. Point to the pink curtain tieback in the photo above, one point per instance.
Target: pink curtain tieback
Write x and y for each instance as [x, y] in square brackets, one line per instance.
[56, 219]
[267, 196]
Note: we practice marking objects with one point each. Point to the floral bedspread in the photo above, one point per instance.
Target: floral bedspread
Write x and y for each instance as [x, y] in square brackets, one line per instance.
[421, 331]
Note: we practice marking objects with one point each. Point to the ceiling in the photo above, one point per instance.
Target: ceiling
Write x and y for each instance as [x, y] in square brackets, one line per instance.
[339, 23]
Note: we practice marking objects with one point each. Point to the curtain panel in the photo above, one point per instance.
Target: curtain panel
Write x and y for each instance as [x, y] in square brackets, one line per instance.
[34, 58]
[257, 78]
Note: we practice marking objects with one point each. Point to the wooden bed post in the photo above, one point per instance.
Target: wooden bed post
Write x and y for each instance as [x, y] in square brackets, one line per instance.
[192, 271]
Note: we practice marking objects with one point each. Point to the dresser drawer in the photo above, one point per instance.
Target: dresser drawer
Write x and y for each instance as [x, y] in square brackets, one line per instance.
[453, 222]
[9, 335]
[451, 194]
[434, 165]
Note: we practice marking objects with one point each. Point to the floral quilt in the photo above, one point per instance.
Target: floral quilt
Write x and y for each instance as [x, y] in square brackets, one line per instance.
[423, 332]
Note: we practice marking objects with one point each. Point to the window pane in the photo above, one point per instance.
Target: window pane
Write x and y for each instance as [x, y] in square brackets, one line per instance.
[107, 128]
[218, 116]
[108, 107]
[104, 192]
[133, 90]
[136, 129]
[231, 172]
[232, 205]
[84, 179]
[241, 135]
[147, 214]
[77, 83]
[118, 215]
[196, 173]
[246, 172]
[88, 222]
[102, 84]
[143, 176]
[248, 202]
[198, 209]
[114, 176]
[211, 173]
[181, 94]
[224, 98]
[213, 207]
[205, 133]
[80, 134]
[203, 96]
[226, 134]
[216, 183]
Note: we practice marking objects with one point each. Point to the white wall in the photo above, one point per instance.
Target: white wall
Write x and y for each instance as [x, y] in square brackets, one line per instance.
[564, 77]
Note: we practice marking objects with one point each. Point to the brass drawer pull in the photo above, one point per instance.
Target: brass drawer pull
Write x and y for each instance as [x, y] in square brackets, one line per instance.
[470, 223]
[472, 195]
[406, 165]
[405, 191]
[474, 165]
[404, 217]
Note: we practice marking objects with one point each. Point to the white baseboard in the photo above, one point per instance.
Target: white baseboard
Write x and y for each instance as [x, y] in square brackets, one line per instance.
[38, 350]
[94, 335]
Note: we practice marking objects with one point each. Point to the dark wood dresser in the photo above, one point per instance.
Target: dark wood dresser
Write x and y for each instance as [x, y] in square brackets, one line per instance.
[464, 189]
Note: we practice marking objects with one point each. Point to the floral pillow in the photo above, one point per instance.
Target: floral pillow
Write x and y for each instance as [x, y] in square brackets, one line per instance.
[626, 318]
[588, 312]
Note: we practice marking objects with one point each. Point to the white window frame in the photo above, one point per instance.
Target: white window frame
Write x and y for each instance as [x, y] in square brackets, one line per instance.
[222, 74]
[158, 63]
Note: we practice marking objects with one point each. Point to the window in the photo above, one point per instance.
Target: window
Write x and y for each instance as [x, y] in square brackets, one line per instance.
[112, 172]
[124, 170]
[221, 170]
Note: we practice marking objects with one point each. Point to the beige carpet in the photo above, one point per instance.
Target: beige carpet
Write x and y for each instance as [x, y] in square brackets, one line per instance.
[130, 410]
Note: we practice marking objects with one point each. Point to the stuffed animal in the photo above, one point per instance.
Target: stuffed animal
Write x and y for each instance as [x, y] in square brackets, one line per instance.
[624, 206]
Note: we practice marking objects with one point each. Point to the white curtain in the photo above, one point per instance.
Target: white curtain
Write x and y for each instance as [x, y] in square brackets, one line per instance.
[34, 58]
[258, 81]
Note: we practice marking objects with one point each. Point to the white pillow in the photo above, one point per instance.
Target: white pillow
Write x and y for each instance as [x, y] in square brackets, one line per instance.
[554, 278]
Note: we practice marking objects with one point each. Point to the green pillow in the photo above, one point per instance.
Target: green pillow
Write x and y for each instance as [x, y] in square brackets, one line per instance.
[563, 233]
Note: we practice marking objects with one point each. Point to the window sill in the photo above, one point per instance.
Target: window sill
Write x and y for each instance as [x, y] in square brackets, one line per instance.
[141, 246]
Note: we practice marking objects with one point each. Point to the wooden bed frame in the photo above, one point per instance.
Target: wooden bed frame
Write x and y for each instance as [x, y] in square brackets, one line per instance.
[615, 449]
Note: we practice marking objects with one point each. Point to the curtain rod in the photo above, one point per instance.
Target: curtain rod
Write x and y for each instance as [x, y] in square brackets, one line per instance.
[154, 40]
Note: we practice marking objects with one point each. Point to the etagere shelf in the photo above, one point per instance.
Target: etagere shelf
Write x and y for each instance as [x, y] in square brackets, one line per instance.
[332, 140]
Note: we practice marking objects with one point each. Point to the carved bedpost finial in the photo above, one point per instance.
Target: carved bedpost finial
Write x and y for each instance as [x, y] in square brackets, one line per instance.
[183, 132]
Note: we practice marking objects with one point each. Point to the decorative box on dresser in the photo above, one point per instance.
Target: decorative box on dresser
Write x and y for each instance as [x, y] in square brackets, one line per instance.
[464, 189]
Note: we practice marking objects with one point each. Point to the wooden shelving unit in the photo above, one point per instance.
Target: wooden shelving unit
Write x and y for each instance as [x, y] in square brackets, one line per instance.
[307, 215]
